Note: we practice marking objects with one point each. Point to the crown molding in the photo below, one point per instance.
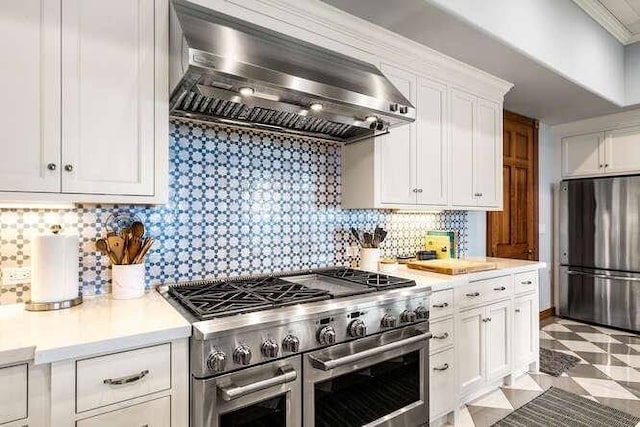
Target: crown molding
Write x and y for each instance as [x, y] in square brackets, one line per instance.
[607, 20]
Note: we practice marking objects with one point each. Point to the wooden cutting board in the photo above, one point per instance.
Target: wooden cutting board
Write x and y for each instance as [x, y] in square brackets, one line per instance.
[452, 266]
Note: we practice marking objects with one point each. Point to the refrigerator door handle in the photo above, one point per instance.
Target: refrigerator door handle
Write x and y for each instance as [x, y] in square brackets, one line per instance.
[603, 276]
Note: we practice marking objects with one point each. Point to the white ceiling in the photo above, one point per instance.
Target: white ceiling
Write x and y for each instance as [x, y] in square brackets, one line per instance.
[538, 92]
[620, 17]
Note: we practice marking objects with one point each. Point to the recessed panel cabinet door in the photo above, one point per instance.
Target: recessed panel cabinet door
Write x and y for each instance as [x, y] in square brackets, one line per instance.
[582, 155]
[488, 155]
[524, 335]
[470, 349]
[622, 150]
[431, 143]
[462, 124]
[30, 90]
[397, 149]
[498, 340]
[108, 96]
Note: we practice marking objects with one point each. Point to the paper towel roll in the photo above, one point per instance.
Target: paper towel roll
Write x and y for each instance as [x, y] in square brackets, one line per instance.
[54, 267]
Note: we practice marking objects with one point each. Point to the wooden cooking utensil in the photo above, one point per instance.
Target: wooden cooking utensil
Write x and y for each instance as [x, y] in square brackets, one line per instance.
[133, 249]
[102, 246]
[137, 229]
[116, 246]
[143, 251]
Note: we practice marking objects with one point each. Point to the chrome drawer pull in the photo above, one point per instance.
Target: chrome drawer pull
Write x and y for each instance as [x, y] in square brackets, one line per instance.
[127, 380]
[473, 295]
[441, 368]
[517, 310]
[501, 288]
[285, 374]
[443, 305]
[441, 337]
[527, 282]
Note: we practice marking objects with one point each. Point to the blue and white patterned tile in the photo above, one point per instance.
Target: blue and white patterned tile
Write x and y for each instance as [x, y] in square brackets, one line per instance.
[240, 202]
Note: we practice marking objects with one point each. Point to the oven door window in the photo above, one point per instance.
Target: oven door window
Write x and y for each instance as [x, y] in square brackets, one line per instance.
[363, 396]
[267, 413]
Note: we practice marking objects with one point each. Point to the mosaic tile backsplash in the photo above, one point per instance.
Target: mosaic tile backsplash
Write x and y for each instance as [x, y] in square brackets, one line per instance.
[241, 202]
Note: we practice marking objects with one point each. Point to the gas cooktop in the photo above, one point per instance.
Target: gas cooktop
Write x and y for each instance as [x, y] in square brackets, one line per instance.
[215, 298]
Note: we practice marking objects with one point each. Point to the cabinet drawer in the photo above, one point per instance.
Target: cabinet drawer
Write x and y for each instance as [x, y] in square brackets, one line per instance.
[441, 304]
[155, 413]
[442, 335]
[526, 282]
[484, 291]
[441, 384]
[109, 379]
[13, 393]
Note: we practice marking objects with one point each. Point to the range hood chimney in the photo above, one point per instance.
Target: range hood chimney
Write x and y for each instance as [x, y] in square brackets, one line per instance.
[230, 71]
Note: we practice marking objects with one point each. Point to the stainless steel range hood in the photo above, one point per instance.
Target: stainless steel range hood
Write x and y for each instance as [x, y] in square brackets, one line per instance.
[229, 71]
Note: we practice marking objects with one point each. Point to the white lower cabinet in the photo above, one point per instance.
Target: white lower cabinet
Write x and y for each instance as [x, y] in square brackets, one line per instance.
[525, 331]
[13, 393]
[483, 345]
[442, 392]
[155, 413]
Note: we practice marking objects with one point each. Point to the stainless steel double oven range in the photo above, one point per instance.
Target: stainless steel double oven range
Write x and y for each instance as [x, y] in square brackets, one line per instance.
[327, 348]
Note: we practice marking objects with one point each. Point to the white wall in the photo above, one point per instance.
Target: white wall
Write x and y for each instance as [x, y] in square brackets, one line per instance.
[548, 177]
[557, 34]
[632, 73]
[477, 233]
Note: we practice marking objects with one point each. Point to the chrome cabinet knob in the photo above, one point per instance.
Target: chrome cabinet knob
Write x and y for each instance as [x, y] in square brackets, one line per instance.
[327, 335]
[270, 348]
[422, 312]
[68, 168]
[389, 321]
[393, 107]
[51, 166]
[291, 343]
[357, 328]
[408, 316]
[242, 355]
[404, 109]
[217, 361]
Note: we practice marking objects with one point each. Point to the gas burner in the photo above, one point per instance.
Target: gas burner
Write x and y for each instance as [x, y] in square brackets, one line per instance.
[209, 299]
[373, 280]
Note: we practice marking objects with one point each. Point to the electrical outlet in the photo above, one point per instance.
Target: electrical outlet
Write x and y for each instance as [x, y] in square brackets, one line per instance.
[352, 250]
[16, 275]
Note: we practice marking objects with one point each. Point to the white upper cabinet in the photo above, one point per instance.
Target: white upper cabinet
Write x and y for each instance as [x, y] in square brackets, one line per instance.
[30, 88]
[581, 155]
[397, 149]
[431, 143]
[462, 123]
[622, 150]
[88, 118]
[487, 152]
[108, 96]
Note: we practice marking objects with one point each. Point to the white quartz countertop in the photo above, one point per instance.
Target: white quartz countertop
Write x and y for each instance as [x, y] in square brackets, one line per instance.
[445, 281]
[100, 324]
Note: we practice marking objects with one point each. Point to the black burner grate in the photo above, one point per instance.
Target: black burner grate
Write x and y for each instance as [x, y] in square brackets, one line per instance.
[374, 280]
[208, 299]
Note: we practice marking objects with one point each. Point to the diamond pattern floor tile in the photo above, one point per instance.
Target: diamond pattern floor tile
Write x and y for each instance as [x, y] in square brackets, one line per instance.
[600, 358]
[581, 346]
[629, 359]
[604, 388]
[587, 371]
[620, 373]
[597, 337]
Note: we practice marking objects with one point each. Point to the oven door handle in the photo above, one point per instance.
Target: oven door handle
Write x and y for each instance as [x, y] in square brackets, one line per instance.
[285, 374]
[327, 365]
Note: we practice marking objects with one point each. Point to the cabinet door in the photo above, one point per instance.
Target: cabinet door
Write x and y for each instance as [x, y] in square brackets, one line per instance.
[462, 124]
[470, 349]
[442, 394]
[155, 413]
[431, 143]
[397, 149]
[525, 333]
[581, 155]
[622, 150]
[108, 96]
[487, 154]
[498, 340]
[13, 393]
[30, 88]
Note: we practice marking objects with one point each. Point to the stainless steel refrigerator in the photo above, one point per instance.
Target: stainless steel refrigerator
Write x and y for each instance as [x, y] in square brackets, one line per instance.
[600, 251]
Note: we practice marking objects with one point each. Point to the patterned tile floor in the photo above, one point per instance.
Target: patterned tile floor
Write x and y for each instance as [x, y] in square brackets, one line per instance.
[608, 372]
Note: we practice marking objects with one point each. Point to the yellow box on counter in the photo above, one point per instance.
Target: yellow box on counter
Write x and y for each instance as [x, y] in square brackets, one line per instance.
[440, 244]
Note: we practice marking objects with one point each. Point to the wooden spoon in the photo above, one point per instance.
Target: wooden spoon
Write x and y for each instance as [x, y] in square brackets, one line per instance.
[103, 247]
[137, 229]
[116, 246]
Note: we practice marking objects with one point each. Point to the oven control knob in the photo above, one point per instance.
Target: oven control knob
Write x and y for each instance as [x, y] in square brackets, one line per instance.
[408, 316]
[291, 343]
[216, 361]
[357, 328]
[327, 335]
[242, 355]
[270, 348]
[389, 321]
[422, 312]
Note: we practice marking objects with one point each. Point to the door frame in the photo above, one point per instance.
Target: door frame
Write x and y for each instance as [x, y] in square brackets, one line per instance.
[535, 125]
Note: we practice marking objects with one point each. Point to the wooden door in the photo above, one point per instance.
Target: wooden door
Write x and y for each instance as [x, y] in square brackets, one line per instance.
[463, 106]
[397, 159]
[431, 143]
[513, 232]
[498, 335]
[108, 96]
[470, 349]
[30, 88]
